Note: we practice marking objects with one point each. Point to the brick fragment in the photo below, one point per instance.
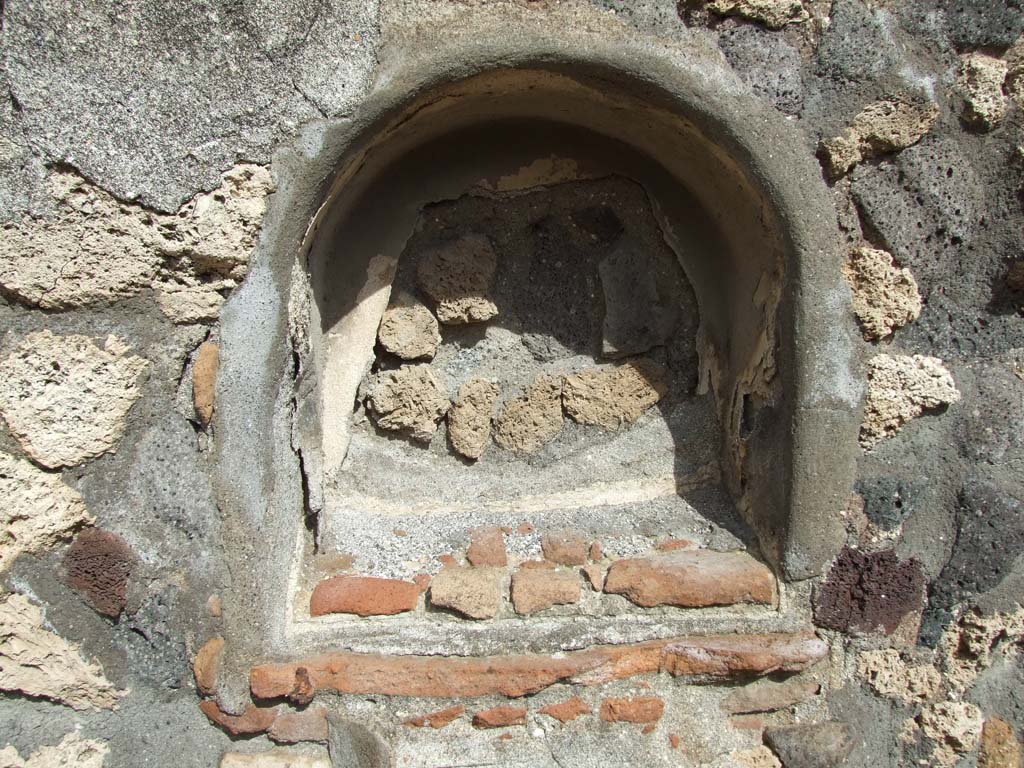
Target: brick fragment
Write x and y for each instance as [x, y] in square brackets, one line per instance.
[567, 710]
[673, 740]
[535, 590]
[253, 720]
[596, 551]
[206, 665]
[438, 719]
[595, 576]
[641, 709]
[363, 595]
[741, 655]
[294, 727]
[692, 579]
[500, 717]
[487, 547]
[565, 547]
[204, 381]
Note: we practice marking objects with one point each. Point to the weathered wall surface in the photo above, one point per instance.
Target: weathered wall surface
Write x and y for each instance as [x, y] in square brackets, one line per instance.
[140, 145]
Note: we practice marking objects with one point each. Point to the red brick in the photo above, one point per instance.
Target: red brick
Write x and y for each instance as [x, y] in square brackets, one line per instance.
[487, 547]
[204, 381]
[253, 720]
[673, 740]
[500, 717]
[692, 579]
[363, 595]
[438, 719]
[294, 727]
[642, 709]
[447, 560]
[565, 547]
[672, 545]
[535, 590]
[98, 565]
[206, 665]
[566, 710]
[741, 655]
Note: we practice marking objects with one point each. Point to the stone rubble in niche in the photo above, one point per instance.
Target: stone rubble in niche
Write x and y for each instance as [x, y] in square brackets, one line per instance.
[885, 297]
[73, 751]
[901, 388]
[408, 329]
[613, 397]
[39, 509]
[774, 14]
[65, 399]
[528, 422]
[411, 400]
[637, 315]
[37, 662]
[457, 277]
[95, 250]
[469, 420]
[979, 84]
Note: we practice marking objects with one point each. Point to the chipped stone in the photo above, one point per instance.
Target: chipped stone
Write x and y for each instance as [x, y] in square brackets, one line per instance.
[409, 330]
[889, 675]
[768, 696]
[814, 745]
[363, 596]
[73, 751]
[758, 757]
[206, 665]
[595, 576]
[957, 724]
[65, 399]
[204, 381]
[469, 420]
[487, 547]
[458, 277]
[999, 745]
[535, 590]
[308, 725]
[533, 419]
[980, 84]
[637, 315]
[742, 655]
[885, 297]
[473, 592]
[276, 758]
[868, 592]
[692, 579]
[500, 717]
[37, 662]
[640, 709]
[39, 510]
[901, 388]
[564, 547]
[613, 397]
[411, 400]
[880, 128]
[774, 14]
[98, 565]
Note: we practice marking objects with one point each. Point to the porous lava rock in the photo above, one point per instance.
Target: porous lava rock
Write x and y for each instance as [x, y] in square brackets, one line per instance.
[408, 329]
[885, 297]
[811, 745]
[98, 565]
[457, 277]
[528, 422]
[979, 84]
[613, 397]
[774, 14]
[901, 388]
[868, 592]
[469, 420]
[411, 400]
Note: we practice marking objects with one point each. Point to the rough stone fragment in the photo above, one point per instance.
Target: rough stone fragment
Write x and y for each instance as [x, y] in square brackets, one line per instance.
[410, 400]
[691, 579]
[901, 388]
[275, 758]
[637, 315]
[1014, 82]
[458, 277]
[888, 674]
[533, 419]
[38, 511]
[536, 590]
[613, 397]
[364, 596]
[880, 128]
[999, 745]
[564, 547]
[566, 711]
[885, 297]
[500, 717]
[980, 84]
[252, 720]
[37, 662]
[813, 745]
[957, 724]
[595, 576]
[469, 420]
[487, 547]
[774, 14]
[96, 250]
[868, 591]
[641, 709]
[294, 727]
[73, 751]
[409, 330]
[768, 696]
[206, 665]
[438, 719]
[742, 655]
[473, 592]
[204, 380]
[759, 757]
[972, 644]
[187, 304]
[98, 564]
[66, 400]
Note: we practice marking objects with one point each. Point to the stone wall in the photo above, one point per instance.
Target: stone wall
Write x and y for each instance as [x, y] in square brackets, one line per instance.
[145, 151]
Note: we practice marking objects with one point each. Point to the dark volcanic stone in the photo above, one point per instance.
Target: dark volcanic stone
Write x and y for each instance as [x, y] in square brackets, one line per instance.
[866, 591]
[98, 565]
[888, 501]
[817, 745]
[983, 23]
[767, 63]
